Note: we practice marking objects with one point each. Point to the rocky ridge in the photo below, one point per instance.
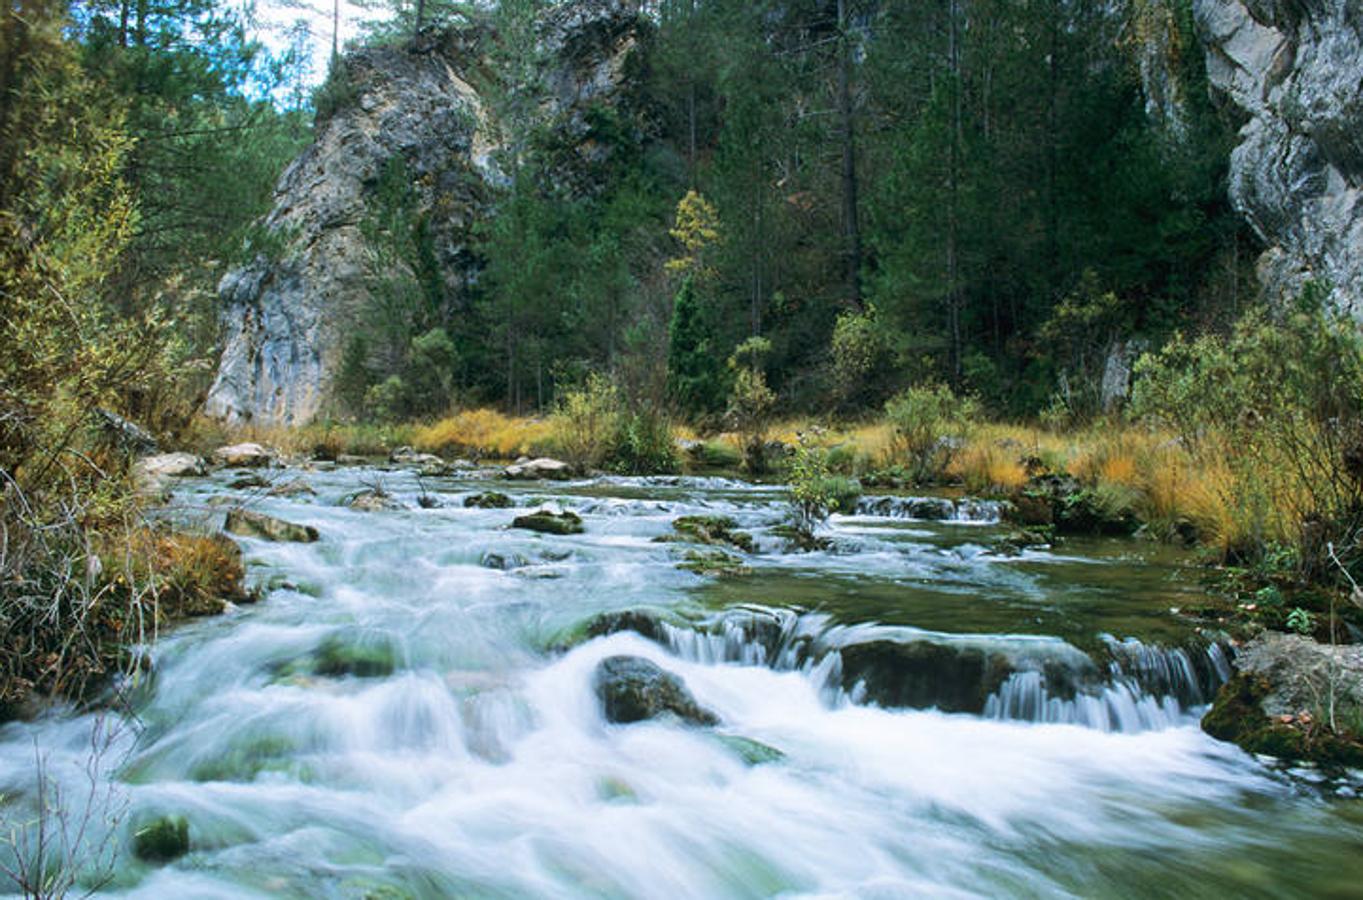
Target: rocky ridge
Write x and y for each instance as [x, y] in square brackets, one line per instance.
[286, 314]
[1292, 67]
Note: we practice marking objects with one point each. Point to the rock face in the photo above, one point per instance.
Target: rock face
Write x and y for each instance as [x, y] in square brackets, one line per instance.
[1293, 67]
[286, 318]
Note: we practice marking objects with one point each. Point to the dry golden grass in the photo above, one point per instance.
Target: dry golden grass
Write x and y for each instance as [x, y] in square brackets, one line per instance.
[988, 468]
[484, 432]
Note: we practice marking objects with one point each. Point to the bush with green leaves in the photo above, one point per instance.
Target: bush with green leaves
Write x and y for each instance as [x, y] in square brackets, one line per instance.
[815, 490]
[1277, 402]
[929, 425]
[860, 351]
[643, 444]
[586, 422]
[751, 401]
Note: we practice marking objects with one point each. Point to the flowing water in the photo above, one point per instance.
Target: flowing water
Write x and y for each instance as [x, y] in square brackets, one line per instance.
[399, 718]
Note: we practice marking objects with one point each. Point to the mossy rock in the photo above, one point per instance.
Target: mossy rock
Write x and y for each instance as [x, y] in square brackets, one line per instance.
[713, 562]
[640, 621]
[717, 530]
[1237, 716]
[249, 523]
[633, 689]
[924, 674]
[162, 839]
[1014, 542]
[247, 759]
[340, 655]
[547, 522]
[488, 500]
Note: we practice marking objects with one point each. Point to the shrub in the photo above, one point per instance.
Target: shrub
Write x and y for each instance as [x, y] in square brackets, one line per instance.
[989, 469]
[930, 424]
[1273, 410]
[643, 444]
[751, 401]
[815, 491]
[859, 351]
[585, 425]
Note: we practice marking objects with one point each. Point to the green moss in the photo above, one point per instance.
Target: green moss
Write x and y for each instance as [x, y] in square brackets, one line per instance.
[753, 753]
[711, 530]
[713, 562]
[1237, 716]
[546, 522]
[489, 500]
[162, 839]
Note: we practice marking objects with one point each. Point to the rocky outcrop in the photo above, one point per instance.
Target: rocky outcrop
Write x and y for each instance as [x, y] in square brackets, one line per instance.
[1292, 67]
[287, 313]
[632, 689]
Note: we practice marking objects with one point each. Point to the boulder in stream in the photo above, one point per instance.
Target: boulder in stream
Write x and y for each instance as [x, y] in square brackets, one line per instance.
[632, 689]
[374, 500]
[169, 465]
[243, 456]
[249, 523]
[544, 467]
[717, 530]
[488, 500]
[924, 674]
[548, 522]
[1278, 704]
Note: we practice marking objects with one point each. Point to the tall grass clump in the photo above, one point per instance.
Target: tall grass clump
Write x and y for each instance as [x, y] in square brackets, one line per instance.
[483, 433]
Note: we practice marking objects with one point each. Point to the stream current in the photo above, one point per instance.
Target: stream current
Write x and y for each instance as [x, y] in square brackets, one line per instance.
[409, 712]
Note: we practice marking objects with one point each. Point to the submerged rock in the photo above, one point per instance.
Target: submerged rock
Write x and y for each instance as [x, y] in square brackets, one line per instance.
[753, 753]
[294, 487]
[370, 657]
[249, 523]
[542, 468]
[632, 689]
[248, 481]
[162, 839]
[503, 562]
[547, 522]
[713, 562]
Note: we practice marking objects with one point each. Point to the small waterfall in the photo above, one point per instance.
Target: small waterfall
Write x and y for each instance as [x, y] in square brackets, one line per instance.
[932, 509]
[1136, 687]
[1147, 688]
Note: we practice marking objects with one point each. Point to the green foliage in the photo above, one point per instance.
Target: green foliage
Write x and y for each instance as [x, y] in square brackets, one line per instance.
[860, 356]
[644, 444]
[586, 423]
[930, 425]
[815, 490]
[1277, 402]
[751, 402]
[694, 371]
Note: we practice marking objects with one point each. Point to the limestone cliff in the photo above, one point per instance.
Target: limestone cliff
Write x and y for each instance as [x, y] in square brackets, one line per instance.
[1295, 69]
[286, 316]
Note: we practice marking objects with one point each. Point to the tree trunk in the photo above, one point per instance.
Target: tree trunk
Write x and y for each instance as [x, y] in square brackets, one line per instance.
[953, 190]
[850, 225]
[420, 15]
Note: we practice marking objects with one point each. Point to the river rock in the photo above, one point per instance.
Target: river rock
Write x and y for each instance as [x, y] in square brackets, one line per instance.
[489, 500]
[632, 689]
[1278, 702]
[248, 481]
[718, 530]
[548, 522]
[249, 523]
[504, 562]
[151, 471]
[542, 468]
[924, 674]
[374, 500]
[243, 456]
[294, 487]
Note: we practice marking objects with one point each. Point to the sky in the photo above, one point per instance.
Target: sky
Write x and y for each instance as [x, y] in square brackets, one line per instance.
[277, 17]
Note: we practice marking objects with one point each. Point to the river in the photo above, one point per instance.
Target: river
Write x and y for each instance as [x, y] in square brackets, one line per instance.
[405, 714]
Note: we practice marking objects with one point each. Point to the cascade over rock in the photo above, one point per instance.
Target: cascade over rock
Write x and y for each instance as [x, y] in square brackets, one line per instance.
[286, 316]
[1292, 67]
